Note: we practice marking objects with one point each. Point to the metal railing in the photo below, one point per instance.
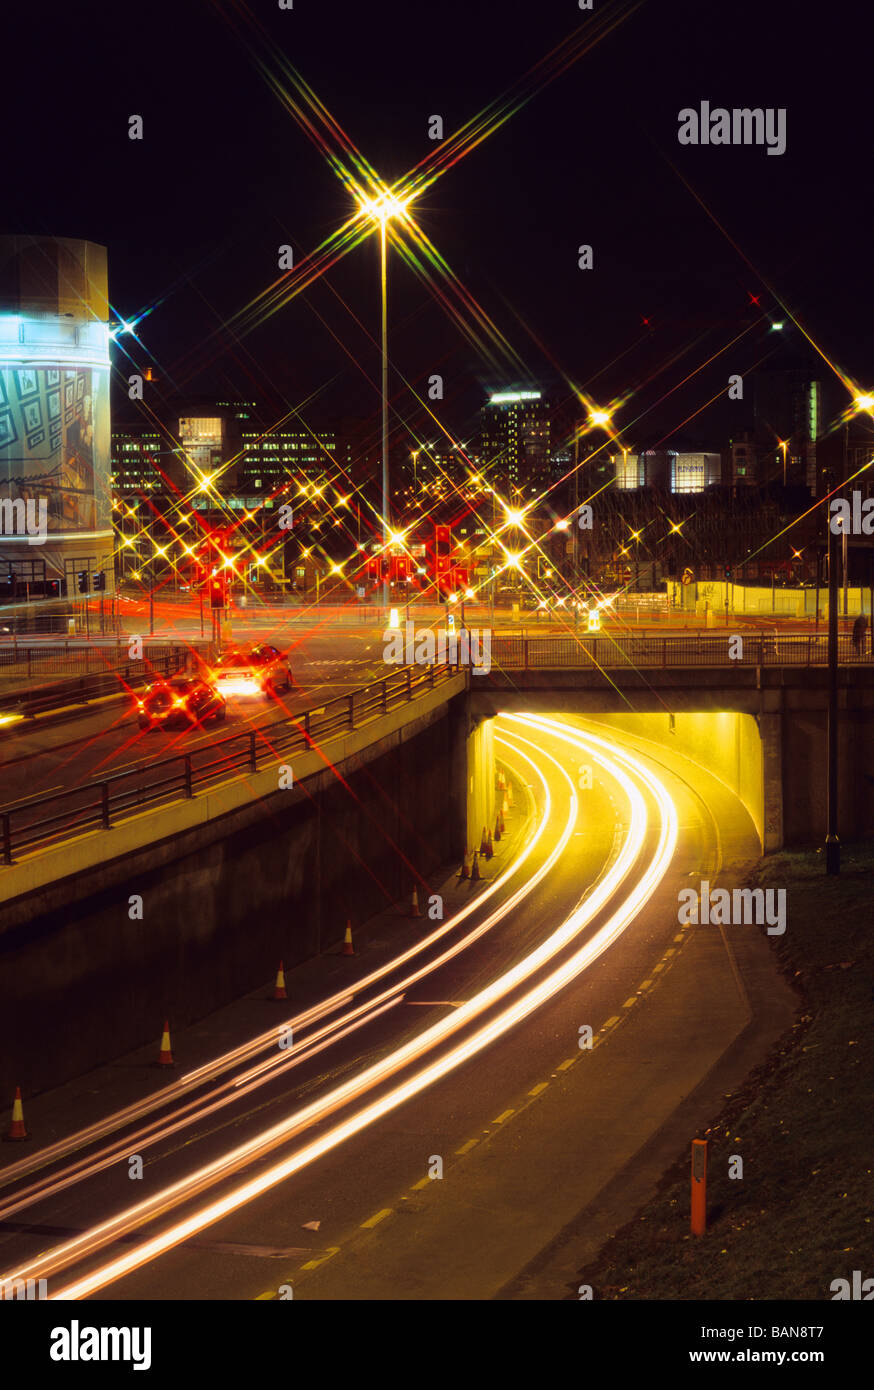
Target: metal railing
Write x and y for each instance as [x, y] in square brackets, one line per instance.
[682, 650]
[101, 803]
[102, 674]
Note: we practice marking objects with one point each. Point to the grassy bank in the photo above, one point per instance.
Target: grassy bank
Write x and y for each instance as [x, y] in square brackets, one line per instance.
[803, 1123]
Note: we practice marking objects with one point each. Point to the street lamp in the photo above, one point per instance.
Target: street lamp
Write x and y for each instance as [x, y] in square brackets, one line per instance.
[381, 210]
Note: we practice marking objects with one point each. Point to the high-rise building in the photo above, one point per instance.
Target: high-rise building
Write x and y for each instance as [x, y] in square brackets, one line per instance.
[788, 419]
[515, 430]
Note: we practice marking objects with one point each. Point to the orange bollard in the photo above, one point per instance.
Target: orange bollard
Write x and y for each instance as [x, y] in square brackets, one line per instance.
[16, 1129]
[699, 1187]
[165, 1056]
[279, 987]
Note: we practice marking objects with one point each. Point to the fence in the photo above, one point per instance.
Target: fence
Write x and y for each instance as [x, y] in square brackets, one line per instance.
[703, 650]
[99, 804]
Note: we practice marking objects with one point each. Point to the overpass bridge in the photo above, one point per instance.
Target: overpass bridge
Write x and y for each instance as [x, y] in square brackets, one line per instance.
[227, 858]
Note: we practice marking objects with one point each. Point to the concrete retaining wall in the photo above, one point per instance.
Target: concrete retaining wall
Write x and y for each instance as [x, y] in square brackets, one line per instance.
[226, 898]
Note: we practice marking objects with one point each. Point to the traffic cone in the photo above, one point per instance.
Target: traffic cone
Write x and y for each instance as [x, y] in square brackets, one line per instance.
[165, 1056]
[279, 987]
[501, 781]
[482, 843]
[474, 872]
[348, 948]
[497, 827]
[503, 823]
[510, 793]
[414, 906]
[464, 871]
[505, 809]
[489, 848]
[16, 1129]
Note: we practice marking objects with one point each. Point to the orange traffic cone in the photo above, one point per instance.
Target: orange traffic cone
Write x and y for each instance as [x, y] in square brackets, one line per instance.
[464, 871]
[414, 906]
[16, 1129]
[505, 809]
[510, 793]
[279, 987]
[348, 948]
[501, 782]
[497, 827]
[165, 1056]
[474, 872]
[482, 843]
[489, 847]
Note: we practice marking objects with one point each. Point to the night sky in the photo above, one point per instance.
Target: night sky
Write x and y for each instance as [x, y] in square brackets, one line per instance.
[194, 213]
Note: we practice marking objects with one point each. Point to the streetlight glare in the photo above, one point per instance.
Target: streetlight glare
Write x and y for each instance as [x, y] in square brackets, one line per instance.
[599, 417]
[385, 206]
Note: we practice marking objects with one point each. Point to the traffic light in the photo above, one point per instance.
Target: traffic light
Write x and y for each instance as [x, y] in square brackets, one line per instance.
[82, 581]
[98, 580]
[53, 588]
[373, 569]
[216, 592]
[727, 571]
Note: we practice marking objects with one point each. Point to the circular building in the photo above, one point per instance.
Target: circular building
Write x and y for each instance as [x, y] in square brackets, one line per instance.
[55, 505]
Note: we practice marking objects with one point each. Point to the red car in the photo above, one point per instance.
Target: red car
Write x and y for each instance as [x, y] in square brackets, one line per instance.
[262, 670]
[183, 701]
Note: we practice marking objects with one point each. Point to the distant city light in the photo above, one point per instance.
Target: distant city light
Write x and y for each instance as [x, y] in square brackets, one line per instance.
[509, 397]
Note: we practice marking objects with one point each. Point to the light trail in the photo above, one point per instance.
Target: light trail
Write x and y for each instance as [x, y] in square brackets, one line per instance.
[91, 1241]
[269, 1068]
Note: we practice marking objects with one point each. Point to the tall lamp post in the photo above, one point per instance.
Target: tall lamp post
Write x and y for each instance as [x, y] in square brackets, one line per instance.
[380, 210]
[832, 843]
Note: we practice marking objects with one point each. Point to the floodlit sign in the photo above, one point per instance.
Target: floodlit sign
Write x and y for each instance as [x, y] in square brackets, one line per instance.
[509, 397]
[594, 620]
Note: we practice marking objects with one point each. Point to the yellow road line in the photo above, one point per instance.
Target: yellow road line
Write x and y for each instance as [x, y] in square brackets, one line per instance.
[466, 1148]
[375, 1220]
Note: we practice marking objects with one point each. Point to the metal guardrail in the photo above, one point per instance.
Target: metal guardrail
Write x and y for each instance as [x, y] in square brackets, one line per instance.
[99, 804]
[686, 650]
[100, 676]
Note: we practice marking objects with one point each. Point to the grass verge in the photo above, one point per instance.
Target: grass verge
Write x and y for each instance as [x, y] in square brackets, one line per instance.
[803, 1123]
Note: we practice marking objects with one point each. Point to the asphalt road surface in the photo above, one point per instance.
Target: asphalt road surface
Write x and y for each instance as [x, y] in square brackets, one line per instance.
[424, 1129]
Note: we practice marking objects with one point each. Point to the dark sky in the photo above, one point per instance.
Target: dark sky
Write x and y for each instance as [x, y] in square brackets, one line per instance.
[193, 214]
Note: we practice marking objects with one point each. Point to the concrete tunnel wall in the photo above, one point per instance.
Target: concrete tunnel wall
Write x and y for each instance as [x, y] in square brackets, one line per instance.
[81, 983]
[727, 744]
